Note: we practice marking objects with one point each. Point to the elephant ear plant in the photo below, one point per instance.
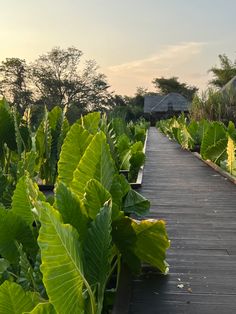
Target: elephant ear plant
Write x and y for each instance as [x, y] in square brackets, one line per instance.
[83, 237]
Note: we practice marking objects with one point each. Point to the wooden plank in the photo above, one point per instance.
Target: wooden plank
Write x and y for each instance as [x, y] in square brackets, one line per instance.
[199, 207]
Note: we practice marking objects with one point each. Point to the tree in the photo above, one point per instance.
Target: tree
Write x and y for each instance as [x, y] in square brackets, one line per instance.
[59, 80]
[14, 82]
[224, 73]
[172, 85]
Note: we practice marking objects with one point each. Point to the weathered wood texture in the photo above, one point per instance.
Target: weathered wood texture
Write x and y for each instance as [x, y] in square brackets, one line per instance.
[199, 207]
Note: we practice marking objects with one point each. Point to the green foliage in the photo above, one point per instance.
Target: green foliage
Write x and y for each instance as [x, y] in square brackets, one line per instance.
[73, 149]
[21, 204]
[85, 234]
[96, 163]
[135, 203]
[49, 138]
[14, 300]
[96, 195]
[98, 254]
[71, 208]
[213, 140]
[214, 143]
[7, 129]
[43, 308]
[62, 265]
[224, 73]
[151, 242]
[13, 230]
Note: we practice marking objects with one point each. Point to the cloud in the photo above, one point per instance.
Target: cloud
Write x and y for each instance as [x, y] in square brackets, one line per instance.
[166, 59]
[173, 60]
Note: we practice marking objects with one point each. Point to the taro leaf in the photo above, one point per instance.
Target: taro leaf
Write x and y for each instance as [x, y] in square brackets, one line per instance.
[217, 152]
[96, 163]
[27, 164]
[175, 134]
[123, 148]
[140, 133]
[43, 308]
[21, 204]
[61, 262]
[63, 132]
[14, 300]
[14, 229]
[193, 131]
[135, 203]
[98, 253]
[95, 197]
[73, 148]
[4, 264]
[44, 138]
[231, 131]
[24, 197]
[120, 127]
[125, 238]
[90, 122]
[184, 137]
[119, 188]
[123, 143]
[55, 118]
[136, 161]
[152, 242]
[214, 142]
[26, 278]
[203, 127]
[71, 208]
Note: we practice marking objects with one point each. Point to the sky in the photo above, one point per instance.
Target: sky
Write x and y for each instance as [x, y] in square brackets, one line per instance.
[132, 41]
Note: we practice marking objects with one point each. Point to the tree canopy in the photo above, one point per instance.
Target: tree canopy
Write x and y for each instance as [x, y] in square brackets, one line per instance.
[224, 73]
[57, 77]
[172, 85]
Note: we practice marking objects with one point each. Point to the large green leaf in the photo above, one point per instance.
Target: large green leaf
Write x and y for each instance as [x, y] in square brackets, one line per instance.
[136, 161]
[71, 208]
[125, 239]
[73, 148]
[43, 308]
[14, 300]
[4, 264]
[214, 142]
[135, 203]
[21, 204]
[90, 122]
[152, 242]
[95, 197]
[27, 164]
[62, 265]
[123, 149]
[193, 131]
[55, 118]
[98, 253]
[44, 138]
[96, 163]
[184, 137]
[14, 229]
[217, 152]
[119, 188]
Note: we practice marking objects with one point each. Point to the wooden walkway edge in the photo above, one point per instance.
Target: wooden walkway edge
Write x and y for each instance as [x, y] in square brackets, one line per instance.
[199, 207]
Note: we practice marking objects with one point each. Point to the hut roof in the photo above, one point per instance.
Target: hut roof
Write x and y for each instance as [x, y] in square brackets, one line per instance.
[161, 103]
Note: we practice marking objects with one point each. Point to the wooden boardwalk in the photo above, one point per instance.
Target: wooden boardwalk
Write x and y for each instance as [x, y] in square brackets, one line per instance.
[199, 207]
